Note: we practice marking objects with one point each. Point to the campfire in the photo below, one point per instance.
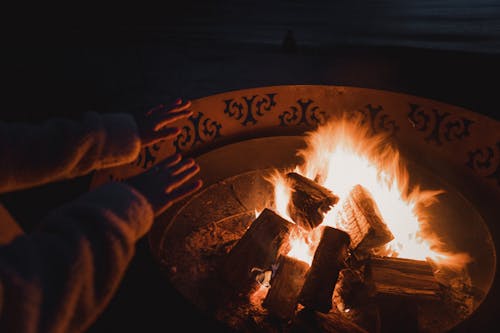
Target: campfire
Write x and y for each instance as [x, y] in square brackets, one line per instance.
[346, 242]
[313, 220]
[346, 236]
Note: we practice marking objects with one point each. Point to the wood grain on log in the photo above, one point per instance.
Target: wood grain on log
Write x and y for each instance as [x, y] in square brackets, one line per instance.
[406, 278]
[259, 247]
[362, 220]
[329, 259]
[286, 284]
[310, 201]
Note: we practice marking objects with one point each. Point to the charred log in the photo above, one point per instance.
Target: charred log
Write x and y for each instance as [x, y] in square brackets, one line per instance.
[402, 278]
[352, 300]
[329, 259]
[350, 290]
[361, 218]
[309, 202]
[259, 247]
[282, 297]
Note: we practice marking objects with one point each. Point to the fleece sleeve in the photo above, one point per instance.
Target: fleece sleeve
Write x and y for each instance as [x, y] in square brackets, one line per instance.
[60, 277]
[35, 154]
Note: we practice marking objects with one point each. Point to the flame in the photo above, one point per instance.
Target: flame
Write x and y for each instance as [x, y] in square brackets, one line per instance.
[344, 153]
[282, 194]
[303, 244]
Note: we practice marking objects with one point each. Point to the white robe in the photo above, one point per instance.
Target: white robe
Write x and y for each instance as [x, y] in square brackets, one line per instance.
[62, 275]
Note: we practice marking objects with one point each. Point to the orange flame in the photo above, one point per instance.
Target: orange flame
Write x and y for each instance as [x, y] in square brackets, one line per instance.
[342, 154]
[282, 194]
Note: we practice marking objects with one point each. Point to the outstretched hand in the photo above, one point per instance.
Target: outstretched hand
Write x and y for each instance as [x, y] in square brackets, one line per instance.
[153, 125]
[168, 182]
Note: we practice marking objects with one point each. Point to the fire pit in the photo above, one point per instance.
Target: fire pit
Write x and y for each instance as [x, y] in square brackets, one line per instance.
[326, 208]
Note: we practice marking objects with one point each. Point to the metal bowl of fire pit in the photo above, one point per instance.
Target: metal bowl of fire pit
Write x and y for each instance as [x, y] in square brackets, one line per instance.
[327, 208]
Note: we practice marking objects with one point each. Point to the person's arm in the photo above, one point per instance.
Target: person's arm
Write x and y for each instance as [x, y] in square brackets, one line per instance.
[60, 277]
[35, 154]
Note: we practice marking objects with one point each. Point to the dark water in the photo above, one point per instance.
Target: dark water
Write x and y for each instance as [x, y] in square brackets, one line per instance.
[125, 58]
[471, 25]
[466, 25]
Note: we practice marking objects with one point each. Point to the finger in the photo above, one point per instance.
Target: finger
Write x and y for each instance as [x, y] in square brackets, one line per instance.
[175, 162]
[185, 190]
[181, 178]
[155, 109]
[166, 133]
[169, 162]
[183, 166]
[169, 118]
[180, 107]
[177, 195]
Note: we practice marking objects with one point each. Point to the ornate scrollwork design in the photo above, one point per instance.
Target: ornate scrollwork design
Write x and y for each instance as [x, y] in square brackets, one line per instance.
[439, 125]
[249, 108]
[376, 119]
[200, 130]
[147, 156]
[486, 162]
[306, 113]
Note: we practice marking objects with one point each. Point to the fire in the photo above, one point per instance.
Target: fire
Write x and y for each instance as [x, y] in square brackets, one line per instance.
[342, 154]
[303, 244]
[282, 194]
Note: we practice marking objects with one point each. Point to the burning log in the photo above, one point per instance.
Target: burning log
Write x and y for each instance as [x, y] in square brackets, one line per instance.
[350, 290]
[329, 259]
[282, 297]
[402, 278]
[259, 247]
[309, 202]
[361, 218]
[351, 298]
[385, 298]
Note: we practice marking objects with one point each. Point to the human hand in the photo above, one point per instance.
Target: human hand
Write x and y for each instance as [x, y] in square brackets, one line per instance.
[168, 182]
[153, 124]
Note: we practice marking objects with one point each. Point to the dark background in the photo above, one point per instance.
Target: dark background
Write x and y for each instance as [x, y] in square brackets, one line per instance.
[64, 61]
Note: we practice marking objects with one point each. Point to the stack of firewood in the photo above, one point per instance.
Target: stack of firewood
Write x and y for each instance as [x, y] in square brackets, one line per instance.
[296, 285]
